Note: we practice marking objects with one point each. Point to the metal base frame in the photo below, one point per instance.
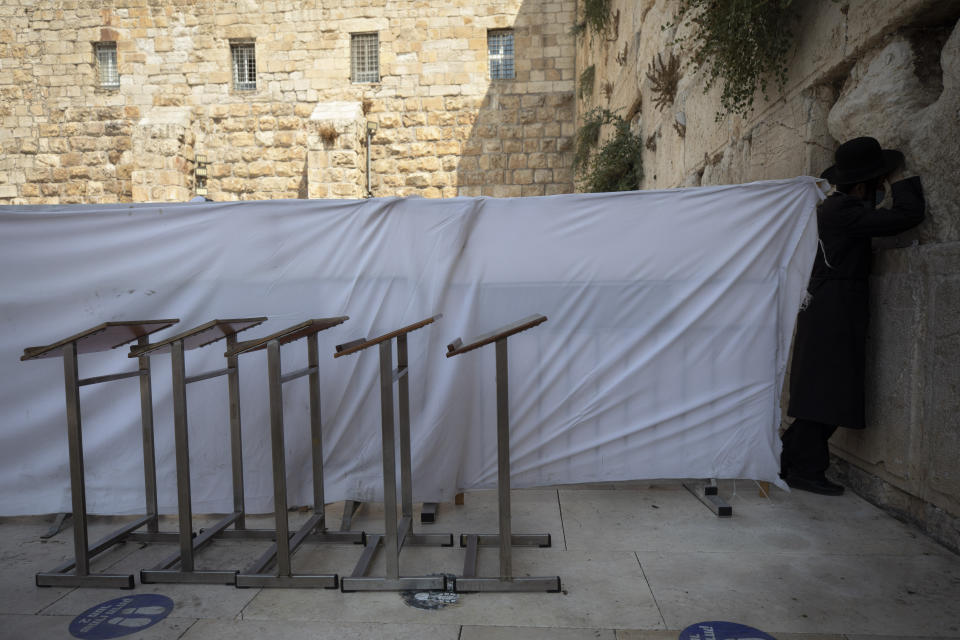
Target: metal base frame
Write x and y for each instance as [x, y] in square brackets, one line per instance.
[549, 584]
[428, 513]
[708, 494]
[65, 575]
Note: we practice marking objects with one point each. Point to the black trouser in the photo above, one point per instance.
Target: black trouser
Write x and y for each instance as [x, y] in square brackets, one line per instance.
[805, 450]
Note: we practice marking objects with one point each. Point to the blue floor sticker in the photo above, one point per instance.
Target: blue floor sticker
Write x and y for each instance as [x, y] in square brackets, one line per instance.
[722, 631]
[121, 616]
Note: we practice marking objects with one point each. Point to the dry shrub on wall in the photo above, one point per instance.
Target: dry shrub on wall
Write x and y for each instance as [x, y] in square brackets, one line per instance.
[742, 44]
[664, 77]
[328, 133]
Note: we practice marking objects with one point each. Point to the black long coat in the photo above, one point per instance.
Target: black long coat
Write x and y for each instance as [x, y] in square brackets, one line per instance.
[827, 374]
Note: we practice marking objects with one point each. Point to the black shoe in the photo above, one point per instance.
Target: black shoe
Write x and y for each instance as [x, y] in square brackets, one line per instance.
[814, 485]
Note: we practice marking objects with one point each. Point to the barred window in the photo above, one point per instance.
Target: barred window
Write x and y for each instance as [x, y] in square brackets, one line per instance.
[500, 52]
[107, 63]
[365, 57]
[244, 65]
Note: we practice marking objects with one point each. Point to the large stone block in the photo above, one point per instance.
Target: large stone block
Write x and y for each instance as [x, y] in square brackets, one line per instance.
[882, 96]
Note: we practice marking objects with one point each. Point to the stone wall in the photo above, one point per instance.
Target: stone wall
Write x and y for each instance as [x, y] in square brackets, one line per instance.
[302, 132]
[886, 68]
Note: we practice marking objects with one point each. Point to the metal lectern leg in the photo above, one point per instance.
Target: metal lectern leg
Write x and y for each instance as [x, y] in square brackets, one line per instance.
[503, 460]
[403, 425]
[78, 489]
[181, 439]
[390, 546]
[149, 452]
[279, 458]
[316, 430]
[236, 438]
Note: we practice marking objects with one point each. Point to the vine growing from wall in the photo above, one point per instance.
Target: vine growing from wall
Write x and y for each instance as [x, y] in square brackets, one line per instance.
[617, 165]
[741, 44]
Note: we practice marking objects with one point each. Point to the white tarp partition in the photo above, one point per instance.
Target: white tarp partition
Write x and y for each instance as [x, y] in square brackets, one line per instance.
[670, 316]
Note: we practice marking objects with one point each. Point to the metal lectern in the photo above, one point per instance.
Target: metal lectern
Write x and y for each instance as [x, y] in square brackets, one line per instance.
[108, 335]
[200, 336]
[315, 528]
[506, 539]
[396, 532]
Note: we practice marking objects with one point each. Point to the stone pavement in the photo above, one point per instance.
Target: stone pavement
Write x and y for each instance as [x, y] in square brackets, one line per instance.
[638, 561]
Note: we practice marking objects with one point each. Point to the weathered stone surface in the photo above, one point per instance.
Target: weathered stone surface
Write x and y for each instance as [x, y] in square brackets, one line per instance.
[881, 97]
[176, 86]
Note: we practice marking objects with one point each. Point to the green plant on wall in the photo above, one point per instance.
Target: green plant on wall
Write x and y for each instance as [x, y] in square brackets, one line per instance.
[617, 165]
[596, 17]
[742, 44]
[587, 77]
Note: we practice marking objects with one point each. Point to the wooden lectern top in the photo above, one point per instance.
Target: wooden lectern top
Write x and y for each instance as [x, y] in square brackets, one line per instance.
[457, 347]
[290, 334]
[200, 336]
[363, 343]
[108, 335]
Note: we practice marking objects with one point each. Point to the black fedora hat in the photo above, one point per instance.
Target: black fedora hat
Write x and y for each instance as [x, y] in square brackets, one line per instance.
[861, 159]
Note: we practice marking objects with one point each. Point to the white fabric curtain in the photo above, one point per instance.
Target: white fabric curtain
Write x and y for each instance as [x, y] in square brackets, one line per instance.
[670, 318]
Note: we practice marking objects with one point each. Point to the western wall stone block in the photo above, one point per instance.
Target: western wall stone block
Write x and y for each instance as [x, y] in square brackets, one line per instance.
[234, 185]
[417, 180]
[259, 169]
[241, 139]
[414, 119]
[286, 138]
[506, 190]
[27, 190]
[407, 166]
[232, 125]
[522, 176]
[517, 161]
[429, 163]
[289, 122]
[511, 146]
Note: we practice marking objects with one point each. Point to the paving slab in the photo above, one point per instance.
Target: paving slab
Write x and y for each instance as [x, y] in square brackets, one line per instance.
[865, 594]
[668, 518]
[871, 637]
[535, 633]
[639, 634]
[22, 627]
[23, 554]
[317, 630]
[601, 590]
[642, 634]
